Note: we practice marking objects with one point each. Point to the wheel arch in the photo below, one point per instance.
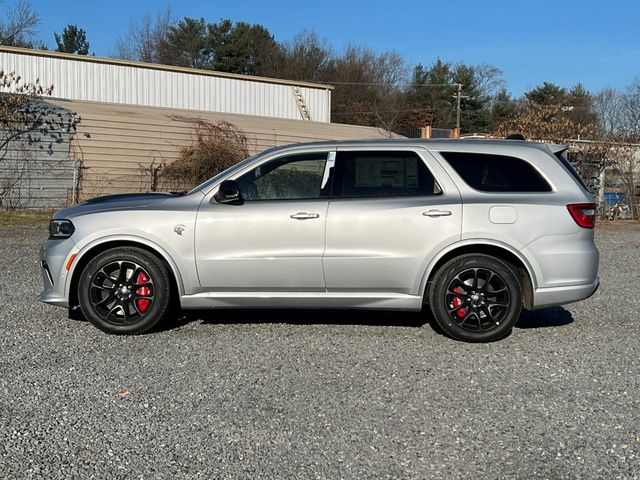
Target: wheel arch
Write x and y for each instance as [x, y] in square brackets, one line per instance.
[522, 268]
[90, 251]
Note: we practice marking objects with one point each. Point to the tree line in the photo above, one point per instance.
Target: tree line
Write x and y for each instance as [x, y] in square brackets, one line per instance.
[371, 88]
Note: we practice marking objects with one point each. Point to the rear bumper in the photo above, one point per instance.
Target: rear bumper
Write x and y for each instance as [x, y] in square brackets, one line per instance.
[553, 296]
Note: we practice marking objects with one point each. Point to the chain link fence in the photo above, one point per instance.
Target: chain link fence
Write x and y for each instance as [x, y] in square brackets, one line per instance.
[36, 185]
[97, 181]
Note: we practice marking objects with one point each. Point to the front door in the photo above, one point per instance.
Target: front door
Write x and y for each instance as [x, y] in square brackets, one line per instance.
[274, 240]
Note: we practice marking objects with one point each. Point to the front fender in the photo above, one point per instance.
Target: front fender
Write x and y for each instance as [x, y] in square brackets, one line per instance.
[185, 276]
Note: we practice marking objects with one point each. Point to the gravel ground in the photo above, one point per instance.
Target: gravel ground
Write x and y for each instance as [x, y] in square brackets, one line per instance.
[311, 395]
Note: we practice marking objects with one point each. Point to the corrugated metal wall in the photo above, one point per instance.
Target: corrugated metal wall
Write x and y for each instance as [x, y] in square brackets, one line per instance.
[105, 80]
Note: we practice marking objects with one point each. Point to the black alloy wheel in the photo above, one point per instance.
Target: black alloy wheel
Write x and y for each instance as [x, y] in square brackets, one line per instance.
[121, 292]
[124, 291]
[476, 298]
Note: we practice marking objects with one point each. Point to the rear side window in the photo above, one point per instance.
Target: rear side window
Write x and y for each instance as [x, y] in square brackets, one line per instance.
[496, 173]
[382, 174]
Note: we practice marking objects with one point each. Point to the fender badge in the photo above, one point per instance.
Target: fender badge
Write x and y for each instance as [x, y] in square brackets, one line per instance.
[179, 229]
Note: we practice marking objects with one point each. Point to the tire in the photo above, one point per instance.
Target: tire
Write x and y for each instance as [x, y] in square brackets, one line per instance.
[125, 291]
[476, 298]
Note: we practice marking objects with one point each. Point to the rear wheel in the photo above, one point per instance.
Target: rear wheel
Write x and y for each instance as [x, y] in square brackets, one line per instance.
[124, 290]
[476, 298]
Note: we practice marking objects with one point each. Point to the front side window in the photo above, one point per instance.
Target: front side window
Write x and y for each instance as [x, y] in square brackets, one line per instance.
[496, 173]
[382, 174]
[294, 177]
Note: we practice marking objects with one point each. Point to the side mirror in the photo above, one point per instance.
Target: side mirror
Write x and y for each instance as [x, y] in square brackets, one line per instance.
[229, 193]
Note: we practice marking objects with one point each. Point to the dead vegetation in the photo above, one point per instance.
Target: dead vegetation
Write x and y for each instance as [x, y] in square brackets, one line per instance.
[216, 147]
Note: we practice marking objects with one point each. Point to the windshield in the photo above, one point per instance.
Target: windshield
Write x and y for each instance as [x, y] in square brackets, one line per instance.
[205, 185]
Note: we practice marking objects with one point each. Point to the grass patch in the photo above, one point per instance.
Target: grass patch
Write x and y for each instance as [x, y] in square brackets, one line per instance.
[25, 217]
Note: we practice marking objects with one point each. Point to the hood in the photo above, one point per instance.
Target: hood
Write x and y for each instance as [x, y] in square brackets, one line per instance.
[116, 202]
[137, 199]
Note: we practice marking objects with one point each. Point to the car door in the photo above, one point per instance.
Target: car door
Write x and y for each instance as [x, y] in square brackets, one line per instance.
[391, 211]
[274, 239]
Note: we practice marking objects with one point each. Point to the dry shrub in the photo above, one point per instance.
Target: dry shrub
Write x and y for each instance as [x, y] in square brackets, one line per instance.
[545, 122]
[217, 146]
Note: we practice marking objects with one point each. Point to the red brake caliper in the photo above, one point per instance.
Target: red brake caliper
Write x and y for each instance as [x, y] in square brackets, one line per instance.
[457, 301]
[143, 303]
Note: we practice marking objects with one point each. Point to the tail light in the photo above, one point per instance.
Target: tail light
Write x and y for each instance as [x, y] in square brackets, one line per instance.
[584, 214]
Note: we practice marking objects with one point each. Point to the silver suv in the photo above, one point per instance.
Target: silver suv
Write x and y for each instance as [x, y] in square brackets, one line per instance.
[476, 229]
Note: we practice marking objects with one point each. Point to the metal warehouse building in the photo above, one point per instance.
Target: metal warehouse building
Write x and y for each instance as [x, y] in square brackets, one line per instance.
[81, 77]
[129, 117]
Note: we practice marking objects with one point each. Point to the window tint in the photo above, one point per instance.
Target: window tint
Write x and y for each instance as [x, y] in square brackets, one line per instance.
[296, 177]
[496, 173]
[382, 174]
[569, 166]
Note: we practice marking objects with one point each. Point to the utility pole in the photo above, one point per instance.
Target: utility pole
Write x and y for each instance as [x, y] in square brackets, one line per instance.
[458, 105]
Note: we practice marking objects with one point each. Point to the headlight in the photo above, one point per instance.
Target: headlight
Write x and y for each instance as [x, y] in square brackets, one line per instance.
[61, 228]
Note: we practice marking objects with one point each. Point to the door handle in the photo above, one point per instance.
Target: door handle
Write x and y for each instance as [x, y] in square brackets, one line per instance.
[304, 215]
[437, 213]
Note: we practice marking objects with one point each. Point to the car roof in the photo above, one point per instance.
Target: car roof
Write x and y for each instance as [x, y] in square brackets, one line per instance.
[430, 144]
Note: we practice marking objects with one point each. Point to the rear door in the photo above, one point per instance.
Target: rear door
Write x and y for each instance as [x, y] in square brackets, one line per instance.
[391, 211]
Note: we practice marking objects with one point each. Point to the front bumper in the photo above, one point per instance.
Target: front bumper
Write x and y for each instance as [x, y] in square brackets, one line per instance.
[554, 296]
[53, 257]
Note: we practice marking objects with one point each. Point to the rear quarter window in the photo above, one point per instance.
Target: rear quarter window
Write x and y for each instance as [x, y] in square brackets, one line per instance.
[496, 173]
[569, 166]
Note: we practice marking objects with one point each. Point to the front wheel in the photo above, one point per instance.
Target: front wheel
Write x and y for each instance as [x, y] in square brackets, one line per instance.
[124, 290]
[476, 298]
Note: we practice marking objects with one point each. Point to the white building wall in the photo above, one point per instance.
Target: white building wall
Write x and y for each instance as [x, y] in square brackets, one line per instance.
[133, 83]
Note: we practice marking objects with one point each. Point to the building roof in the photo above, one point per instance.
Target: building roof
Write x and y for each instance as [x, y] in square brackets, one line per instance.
[157, 66]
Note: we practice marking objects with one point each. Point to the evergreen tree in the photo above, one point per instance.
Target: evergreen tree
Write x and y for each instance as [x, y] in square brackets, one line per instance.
[72, 40]
[547, 94]
[186, 44]
[580, 101]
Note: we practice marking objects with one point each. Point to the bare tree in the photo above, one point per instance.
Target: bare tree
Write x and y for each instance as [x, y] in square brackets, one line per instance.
[16, 118]
[144, 39]
[608, 105]
[618, 112]
[631, 110]
[307, 58]
[624, 163]
[488, 79]
[19, 26]
[31, 131]
[368, 87]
